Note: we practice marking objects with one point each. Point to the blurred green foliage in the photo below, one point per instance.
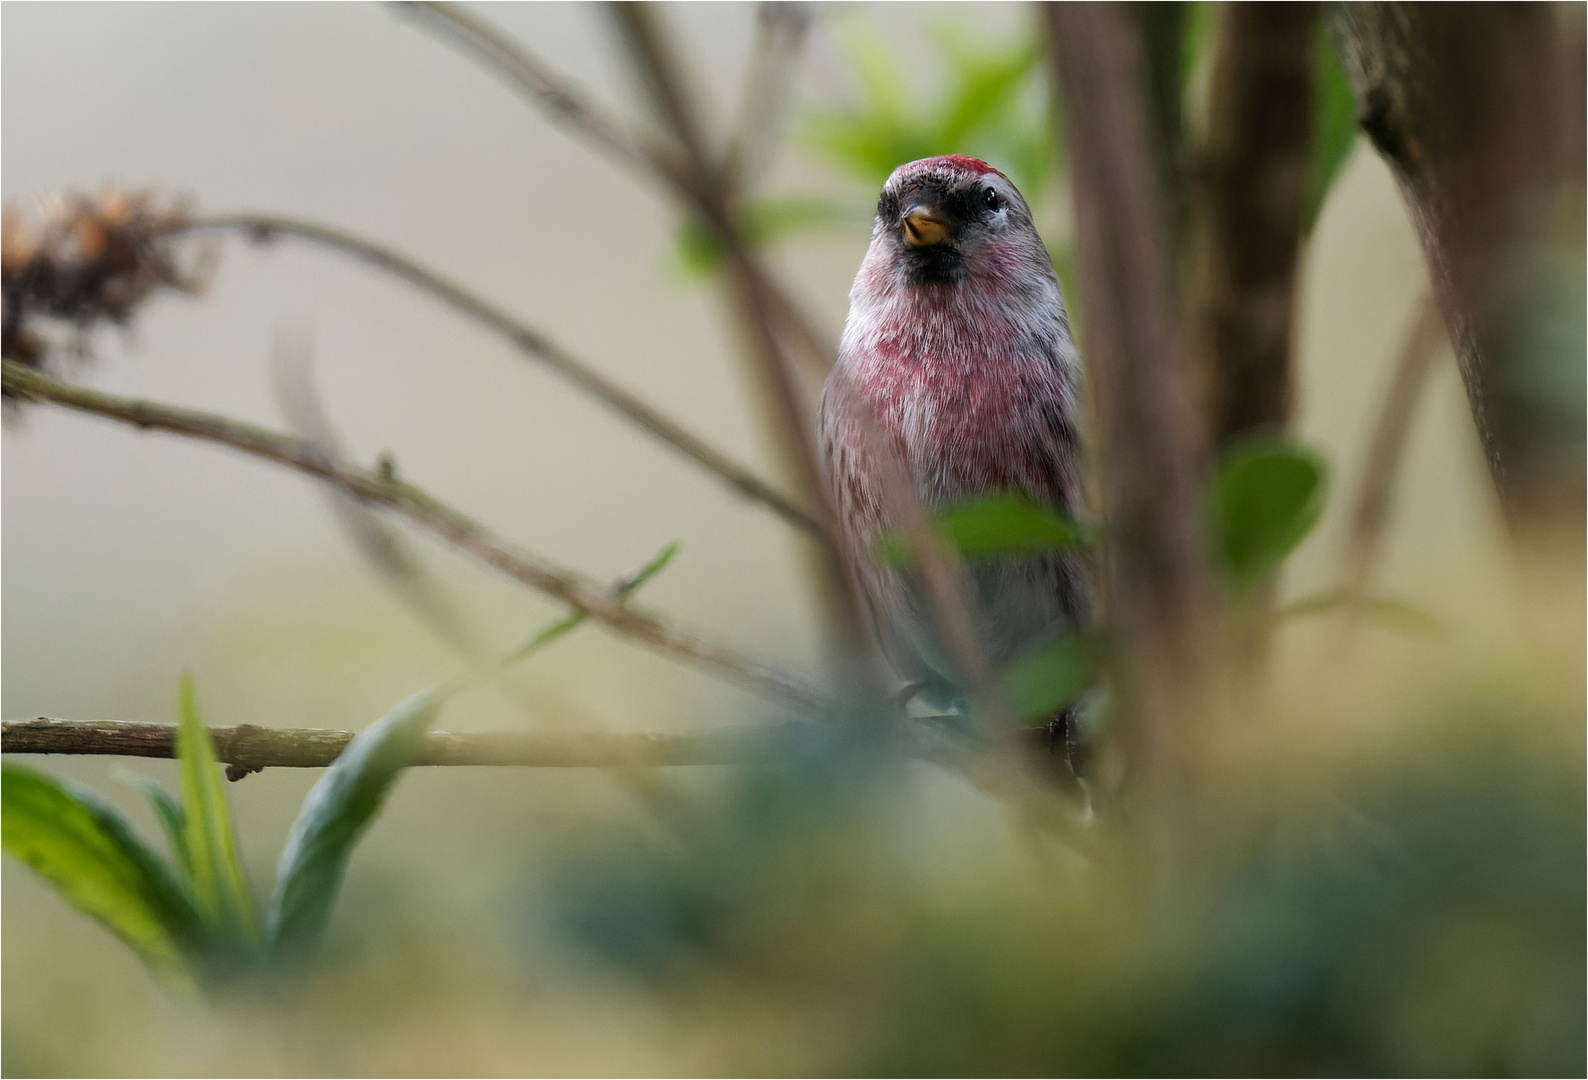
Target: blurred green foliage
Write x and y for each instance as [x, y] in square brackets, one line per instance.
[1265, 496]
[194, 922]
[991, 103]
[996, 525]
[1424, 916]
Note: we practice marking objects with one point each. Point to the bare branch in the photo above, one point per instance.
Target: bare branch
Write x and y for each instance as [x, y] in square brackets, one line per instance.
[767, 316]
[1150, 455]
[541, 85]
[527, 73]
[1476, 109]
[669, 90]
[1249, 200]
[1370, 510]
[781, 29]
[527, 339]
[387, 491]
[249, 748]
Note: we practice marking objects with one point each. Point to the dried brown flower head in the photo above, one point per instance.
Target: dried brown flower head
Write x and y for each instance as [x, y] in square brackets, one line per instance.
[70, 262]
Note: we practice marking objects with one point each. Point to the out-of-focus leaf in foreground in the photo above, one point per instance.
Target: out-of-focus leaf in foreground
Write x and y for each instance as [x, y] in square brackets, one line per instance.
[215, 874]
[1265, 497]
[998, 525]
[334, 815]
[1333, 124]
[99, 866]
[1049, 676]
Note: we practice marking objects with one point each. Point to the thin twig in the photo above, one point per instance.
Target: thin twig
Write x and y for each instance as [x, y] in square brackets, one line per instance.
[526, 338]
[764, 311]
[1248, 204]
[781, 29]
[248, 748]
[526, 73]
[534, 78]
[1370, 510]
[388, 491]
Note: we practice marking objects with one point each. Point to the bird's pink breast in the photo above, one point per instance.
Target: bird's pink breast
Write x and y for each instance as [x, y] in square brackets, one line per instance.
[967, 404]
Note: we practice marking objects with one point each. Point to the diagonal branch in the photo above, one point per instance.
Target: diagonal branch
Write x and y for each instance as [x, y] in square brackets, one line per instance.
[1370, 510]
[525, 72]
[527, 339]
[408, 501]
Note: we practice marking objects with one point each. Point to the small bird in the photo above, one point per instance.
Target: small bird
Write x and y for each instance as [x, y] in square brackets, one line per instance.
[957, 355]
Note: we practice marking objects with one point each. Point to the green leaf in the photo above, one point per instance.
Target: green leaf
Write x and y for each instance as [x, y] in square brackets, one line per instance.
[334, 815]
[998, 525]
[1333, 123]
[173, 821]
[626, 587]
[216, 876]
[987, 84]
[1265, 497]
[100, 866]
[1194, 41]
[1395, 613]
[1049, 676]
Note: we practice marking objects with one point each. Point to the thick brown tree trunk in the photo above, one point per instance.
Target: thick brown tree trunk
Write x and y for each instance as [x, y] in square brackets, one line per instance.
[1478, 108]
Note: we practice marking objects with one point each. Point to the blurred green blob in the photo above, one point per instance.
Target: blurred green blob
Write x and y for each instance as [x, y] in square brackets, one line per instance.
[1266, 495]
[100, 866]
[1543, 393]
[337, 810]
[998, 525]
[1049, 676]
[718, 881]
[987, 110]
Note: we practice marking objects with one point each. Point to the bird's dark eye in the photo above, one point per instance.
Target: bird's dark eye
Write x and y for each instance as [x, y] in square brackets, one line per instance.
[990, 199]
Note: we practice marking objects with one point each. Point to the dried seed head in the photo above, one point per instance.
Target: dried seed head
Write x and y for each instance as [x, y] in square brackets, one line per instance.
[70, 263]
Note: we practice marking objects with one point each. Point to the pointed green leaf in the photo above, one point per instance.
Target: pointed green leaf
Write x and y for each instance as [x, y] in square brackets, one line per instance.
[173, 822]
[1333, 123]
[1265, 497]
[217, 877]
[100, 866]
[335, 814]
[626, 587]
[1394, 613]
[1049, 676]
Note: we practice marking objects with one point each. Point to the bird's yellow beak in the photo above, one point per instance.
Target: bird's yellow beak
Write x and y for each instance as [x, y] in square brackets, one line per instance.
[923, 228]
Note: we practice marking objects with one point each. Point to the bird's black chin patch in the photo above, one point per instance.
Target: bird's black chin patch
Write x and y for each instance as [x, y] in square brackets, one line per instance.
[939, 264]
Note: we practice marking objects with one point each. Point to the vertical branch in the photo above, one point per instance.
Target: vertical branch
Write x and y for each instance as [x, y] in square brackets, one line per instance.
[1148, 447]
[781, 29]
[1250, 188]
[1161, 25]
[1471, 106]
[768, 320]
